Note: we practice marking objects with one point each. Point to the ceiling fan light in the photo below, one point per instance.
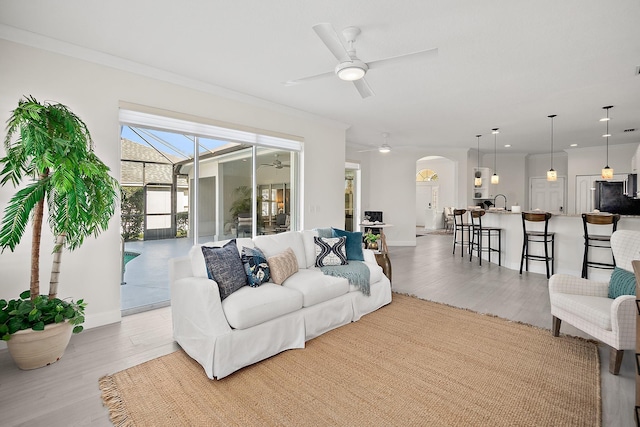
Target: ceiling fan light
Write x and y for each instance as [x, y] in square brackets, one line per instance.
[552, 175]
[384, 148]
[351, 70]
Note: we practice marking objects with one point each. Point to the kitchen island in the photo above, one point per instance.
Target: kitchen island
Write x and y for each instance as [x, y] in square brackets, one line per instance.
[569, 245]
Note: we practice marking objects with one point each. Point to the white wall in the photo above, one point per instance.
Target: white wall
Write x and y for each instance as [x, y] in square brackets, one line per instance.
[591, 160]
[388, 185]
[95, 92]
[510, 169]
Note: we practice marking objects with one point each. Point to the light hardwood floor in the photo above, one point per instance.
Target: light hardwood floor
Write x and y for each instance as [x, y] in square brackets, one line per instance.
[67, 394]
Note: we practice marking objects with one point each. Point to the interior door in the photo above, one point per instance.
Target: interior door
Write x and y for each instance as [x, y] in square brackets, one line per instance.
[546, 195]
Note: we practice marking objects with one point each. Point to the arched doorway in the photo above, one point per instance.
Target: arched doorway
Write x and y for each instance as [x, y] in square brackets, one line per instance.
[435, 189]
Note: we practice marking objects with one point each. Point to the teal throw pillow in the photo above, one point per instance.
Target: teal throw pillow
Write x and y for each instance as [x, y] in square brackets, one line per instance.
[354, 243]
[622, 282]
[324, 232]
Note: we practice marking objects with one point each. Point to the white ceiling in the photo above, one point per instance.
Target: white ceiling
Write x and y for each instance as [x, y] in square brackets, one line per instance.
[506, 64]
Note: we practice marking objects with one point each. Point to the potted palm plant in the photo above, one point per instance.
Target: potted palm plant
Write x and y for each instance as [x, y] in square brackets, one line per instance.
[51, 158]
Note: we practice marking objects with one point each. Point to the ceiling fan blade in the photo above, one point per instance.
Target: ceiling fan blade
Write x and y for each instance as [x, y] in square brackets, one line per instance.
[363, 87]
[332, 40]
[309, 79]
[423, 54]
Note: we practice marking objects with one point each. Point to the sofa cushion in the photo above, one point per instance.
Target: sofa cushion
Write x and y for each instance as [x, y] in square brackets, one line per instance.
[622, 282]
[225, 267]
[354, 243]
[249, 306]
[198, 267]
[274, 244]
[595, 310]
[255, 266]
[282, 266]
[316, 287]
[309, 246]
[330, 251]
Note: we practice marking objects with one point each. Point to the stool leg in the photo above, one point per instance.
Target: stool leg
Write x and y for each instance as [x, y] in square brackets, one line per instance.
[462, 240]
[553, 253]
[546, 255]
[584, 259]
[455, 238]
[500, 247]
[524, 246]
[479, 247]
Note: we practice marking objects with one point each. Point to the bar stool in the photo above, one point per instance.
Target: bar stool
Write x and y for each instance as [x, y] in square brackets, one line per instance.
[604, 223]
[460, 226]
[478, 232]
[533, 236]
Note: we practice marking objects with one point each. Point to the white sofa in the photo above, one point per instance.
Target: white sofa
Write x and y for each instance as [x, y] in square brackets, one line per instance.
[255, 323]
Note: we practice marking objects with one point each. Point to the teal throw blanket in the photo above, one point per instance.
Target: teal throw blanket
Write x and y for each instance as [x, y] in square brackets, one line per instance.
[356, 272]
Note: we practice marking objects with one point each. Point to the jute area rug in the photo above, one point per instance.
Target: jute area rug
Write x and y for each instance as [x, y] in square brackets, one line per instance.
[411, 363]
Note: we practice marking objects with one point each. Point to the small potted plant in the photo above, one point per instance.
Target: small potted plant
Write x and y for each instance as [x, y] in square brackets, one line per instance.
[53, 163]
[372, 240]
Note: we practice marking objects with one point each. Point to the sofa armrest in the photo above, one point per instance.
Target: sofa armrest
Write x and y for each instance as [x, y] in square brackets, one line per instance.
[566, 284]
[623, 316]
[196, 307]
[369, 256]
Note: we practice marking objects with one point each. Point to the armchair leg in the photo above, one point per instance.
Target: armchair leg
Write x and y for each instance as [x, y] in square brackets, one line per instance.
[556, 326]
[615, 360]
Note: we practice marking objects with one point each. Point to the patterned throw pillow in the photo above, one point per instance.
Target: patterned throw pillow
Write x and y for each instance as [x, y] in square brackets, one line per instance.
[354, 243]
[225, 267]
[330, 251]
[622, 282]
[255, 266]
[282, 266]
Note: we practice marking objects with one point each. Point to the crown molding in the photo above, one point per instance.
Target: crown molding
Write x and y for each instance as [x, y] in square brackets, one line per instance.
[38, 41]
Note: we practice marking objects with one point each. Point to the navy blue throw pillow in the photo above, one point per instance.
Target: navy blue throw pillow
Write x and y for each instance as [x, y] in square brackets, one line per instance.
[255, 266]
[225, 267]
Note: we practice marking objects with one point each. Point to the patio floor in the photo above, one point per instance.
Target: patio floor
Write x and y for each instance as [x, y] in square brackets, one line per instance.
[146, 277]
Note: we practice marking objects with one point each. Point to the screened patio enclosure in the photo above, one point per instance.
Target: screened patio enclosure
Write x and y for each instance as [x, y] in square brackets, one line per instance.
[225, 189]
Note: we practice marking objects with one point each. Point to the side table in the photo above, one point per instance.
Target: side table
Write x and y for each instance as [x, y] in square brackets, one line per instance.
[383, 261]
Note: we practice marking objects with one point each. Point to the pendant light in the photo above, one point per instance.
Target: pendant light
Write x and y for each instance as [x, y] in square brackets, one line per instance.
[607, 172]
[478, 175]
[552, 175]
[495, 179]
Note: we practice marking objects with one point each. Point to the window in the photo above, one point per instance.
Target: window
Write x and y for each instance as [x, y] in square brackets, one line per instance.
[426, 175]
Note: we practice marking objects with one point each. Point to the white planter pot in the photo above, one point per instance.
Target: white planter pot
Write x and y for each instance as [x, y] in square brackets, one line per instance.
[34, 349]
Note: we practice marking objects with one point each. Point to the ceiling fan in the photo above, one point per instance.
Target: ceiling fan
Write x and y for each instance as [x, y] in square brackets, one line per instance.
[384, 148]
[349, 67]
[276, 163]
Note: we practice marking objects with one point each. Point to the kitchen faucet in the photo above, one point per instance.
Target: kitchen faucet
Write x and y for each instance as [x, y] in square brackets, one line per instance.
[505, 200]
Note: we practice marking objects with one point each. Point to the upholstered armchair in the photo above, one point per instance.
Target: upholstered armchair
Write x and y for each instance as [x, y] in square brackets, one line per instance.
[585, 303]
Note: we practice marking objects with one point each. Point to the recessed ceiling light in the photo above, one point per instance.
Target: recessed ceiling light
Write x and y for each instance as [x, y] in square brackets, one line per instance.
[573, 145]
[507, 145]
